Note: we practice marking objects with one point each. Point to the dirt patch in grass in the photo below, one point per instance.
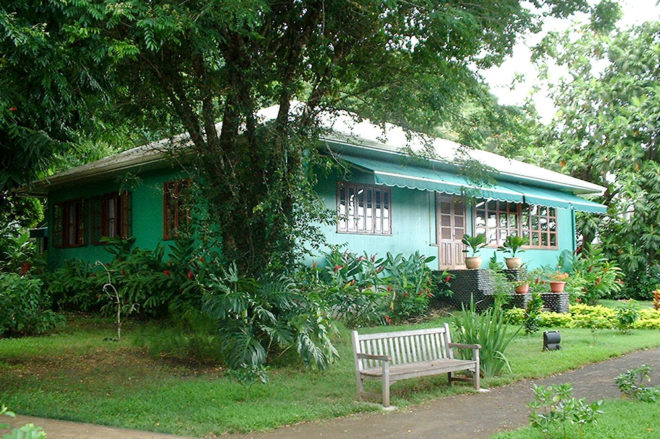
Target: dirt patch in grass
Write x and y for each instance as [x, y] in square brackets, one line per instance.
[108, 368]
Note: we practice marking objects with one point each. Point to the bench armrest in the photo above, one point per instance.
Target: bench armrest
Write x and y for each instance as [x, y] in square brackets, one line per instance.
[374, 357]
[464, 346]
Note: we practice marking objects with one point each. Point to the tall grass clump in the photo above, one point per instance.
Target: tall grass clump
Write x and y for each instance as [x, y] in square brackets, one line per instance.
[490, 331]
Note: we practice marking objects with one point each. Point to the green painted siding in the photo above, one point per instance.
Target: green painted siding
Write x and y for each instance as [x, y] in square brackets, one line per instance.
[413, 221]
[413, 226]
[147, 220]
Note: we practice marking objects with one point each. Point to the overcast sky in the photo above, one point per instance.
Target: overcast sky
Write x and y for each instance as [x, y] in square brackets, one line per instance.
[499, 78]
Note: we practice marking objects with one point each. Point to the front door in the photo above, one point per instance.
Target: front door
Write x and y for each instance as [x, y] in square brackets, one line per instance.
[450, 228]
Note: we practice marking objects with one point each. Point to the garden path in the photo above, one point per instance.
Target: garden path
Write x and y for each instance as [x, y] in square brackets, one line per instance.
[459, 416]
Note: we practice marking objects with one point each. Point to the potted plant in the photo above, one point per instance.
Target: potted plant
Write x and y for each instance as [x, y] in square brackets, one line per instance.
[522, 286]
[513, 246]
[473, 244]
[558, 282]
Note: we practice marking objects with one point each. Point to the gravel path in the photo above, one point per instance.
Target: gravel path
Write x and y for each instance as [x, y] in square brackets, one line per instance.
[460, 416]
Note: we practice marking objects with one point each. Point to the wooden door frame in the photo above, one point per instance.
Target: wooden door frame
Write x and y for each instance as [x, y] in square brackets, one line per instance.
[438, 226]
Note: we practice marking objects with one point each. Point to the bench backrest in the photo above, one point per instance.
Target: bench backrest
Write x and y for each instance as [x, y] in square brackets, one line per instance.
[403, 347]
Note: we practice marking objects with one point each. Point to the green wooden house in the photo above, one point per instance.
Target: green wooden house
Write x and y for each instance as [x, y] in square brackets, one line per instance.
[388, 201]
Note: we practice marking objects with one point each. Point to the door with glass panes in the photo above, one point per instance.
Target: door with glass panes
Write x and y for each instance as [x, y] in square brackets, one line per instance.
[450, 228]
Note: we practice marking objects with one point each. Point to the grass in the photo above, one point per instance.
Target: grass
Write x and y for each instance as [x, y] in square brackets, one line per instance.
[621, 419]
[76, 375]
[642, 304]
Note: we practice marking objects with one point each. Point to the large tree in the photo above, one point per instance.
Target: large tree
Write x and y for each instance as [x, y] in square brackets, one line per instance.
[195, 63]
[606, 131]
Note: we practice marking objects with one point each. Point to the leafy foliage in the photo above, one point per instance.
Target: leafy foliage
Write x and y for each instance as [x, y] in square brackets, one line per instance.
[531, 316]
[488, 329]
[474, 243]
[260, 318]
[554, 407]
[630, 384]
[28, 431]
[363, 290]
[592, 275]
[24, 307]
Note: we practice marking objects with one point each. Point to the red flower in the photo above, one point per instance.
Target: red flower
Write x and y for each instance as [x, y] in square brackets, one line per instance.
[388, 319]
[352, 282]
[389, 288]
[166, 272]
[448, 278]
[598, 281]
[12, 109]
[337, 268]
[190, 274]
[201, 258]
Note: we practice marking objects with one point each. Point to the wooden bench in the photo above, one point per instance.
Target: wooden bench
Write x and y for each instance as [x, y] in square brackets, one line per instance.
[395, 356]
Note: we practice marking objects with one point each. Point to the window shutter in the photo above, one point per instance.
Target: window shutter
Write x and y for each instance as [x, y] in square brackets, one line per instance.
[57, 226]
[81, 217]
[95, 221]
[126, 215]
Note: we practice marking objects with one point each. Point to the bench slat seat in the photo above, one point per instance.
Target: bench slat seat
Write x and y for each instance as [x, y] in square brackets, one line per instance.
[405, 371]
[395, 356]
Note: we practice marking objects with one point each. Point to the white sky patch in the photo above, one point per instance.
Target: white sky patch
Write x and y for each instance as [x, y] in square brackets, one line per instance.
[635, 12]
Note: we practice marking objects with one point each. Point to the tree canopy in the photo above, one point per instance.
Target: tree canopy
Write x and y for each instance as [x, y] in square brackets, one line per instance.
[170, 66]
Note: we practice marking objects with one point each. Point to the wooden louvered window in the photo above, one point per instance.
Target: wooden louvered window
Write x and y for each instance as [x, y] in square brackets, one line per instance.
[499, 219]
[176, 207]
[364, 208]
[69, 224]
[111, 216]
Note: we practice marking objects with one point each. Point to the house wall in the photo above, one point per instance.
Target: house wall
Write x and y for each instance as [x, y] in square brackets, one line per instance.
[147, 207]
[413, 226]
[413, 221]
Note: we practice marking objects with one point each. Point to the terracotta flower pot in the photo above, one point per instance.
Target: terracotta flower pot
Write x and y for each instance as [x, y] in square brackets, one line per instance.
[557, 286]
[513, 263]
[472, 262]
[522, 289]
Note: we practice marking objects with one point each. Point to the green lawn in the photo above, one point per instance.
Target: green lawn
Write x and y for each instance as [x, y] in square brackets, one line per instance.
[75, 375]
[642, 304]
[621, 419]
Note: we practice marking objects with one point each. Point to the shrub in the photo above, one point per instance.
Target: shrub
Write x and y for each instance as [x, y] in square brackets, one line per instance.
[531, 316]
[258, 318]
[145, 281]
[554, 407]
[488, 329]
[630, 384]
[24, 307]
[75, 287]
[554, 319]
[627, 315]
[593, 276]
[362, 290]
[514, 316]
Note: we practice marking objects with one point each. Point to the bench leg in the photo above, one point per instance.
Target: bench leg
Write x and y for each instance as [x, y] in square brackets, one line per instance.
[449, 379]
[386, 384]
[360, 386]
[477, 372]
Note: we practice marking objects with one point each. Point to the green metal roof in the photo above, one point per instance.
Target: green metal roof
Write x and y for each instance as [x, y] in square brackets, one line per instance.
[411, 173]
[552, 198]
[413, 176]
